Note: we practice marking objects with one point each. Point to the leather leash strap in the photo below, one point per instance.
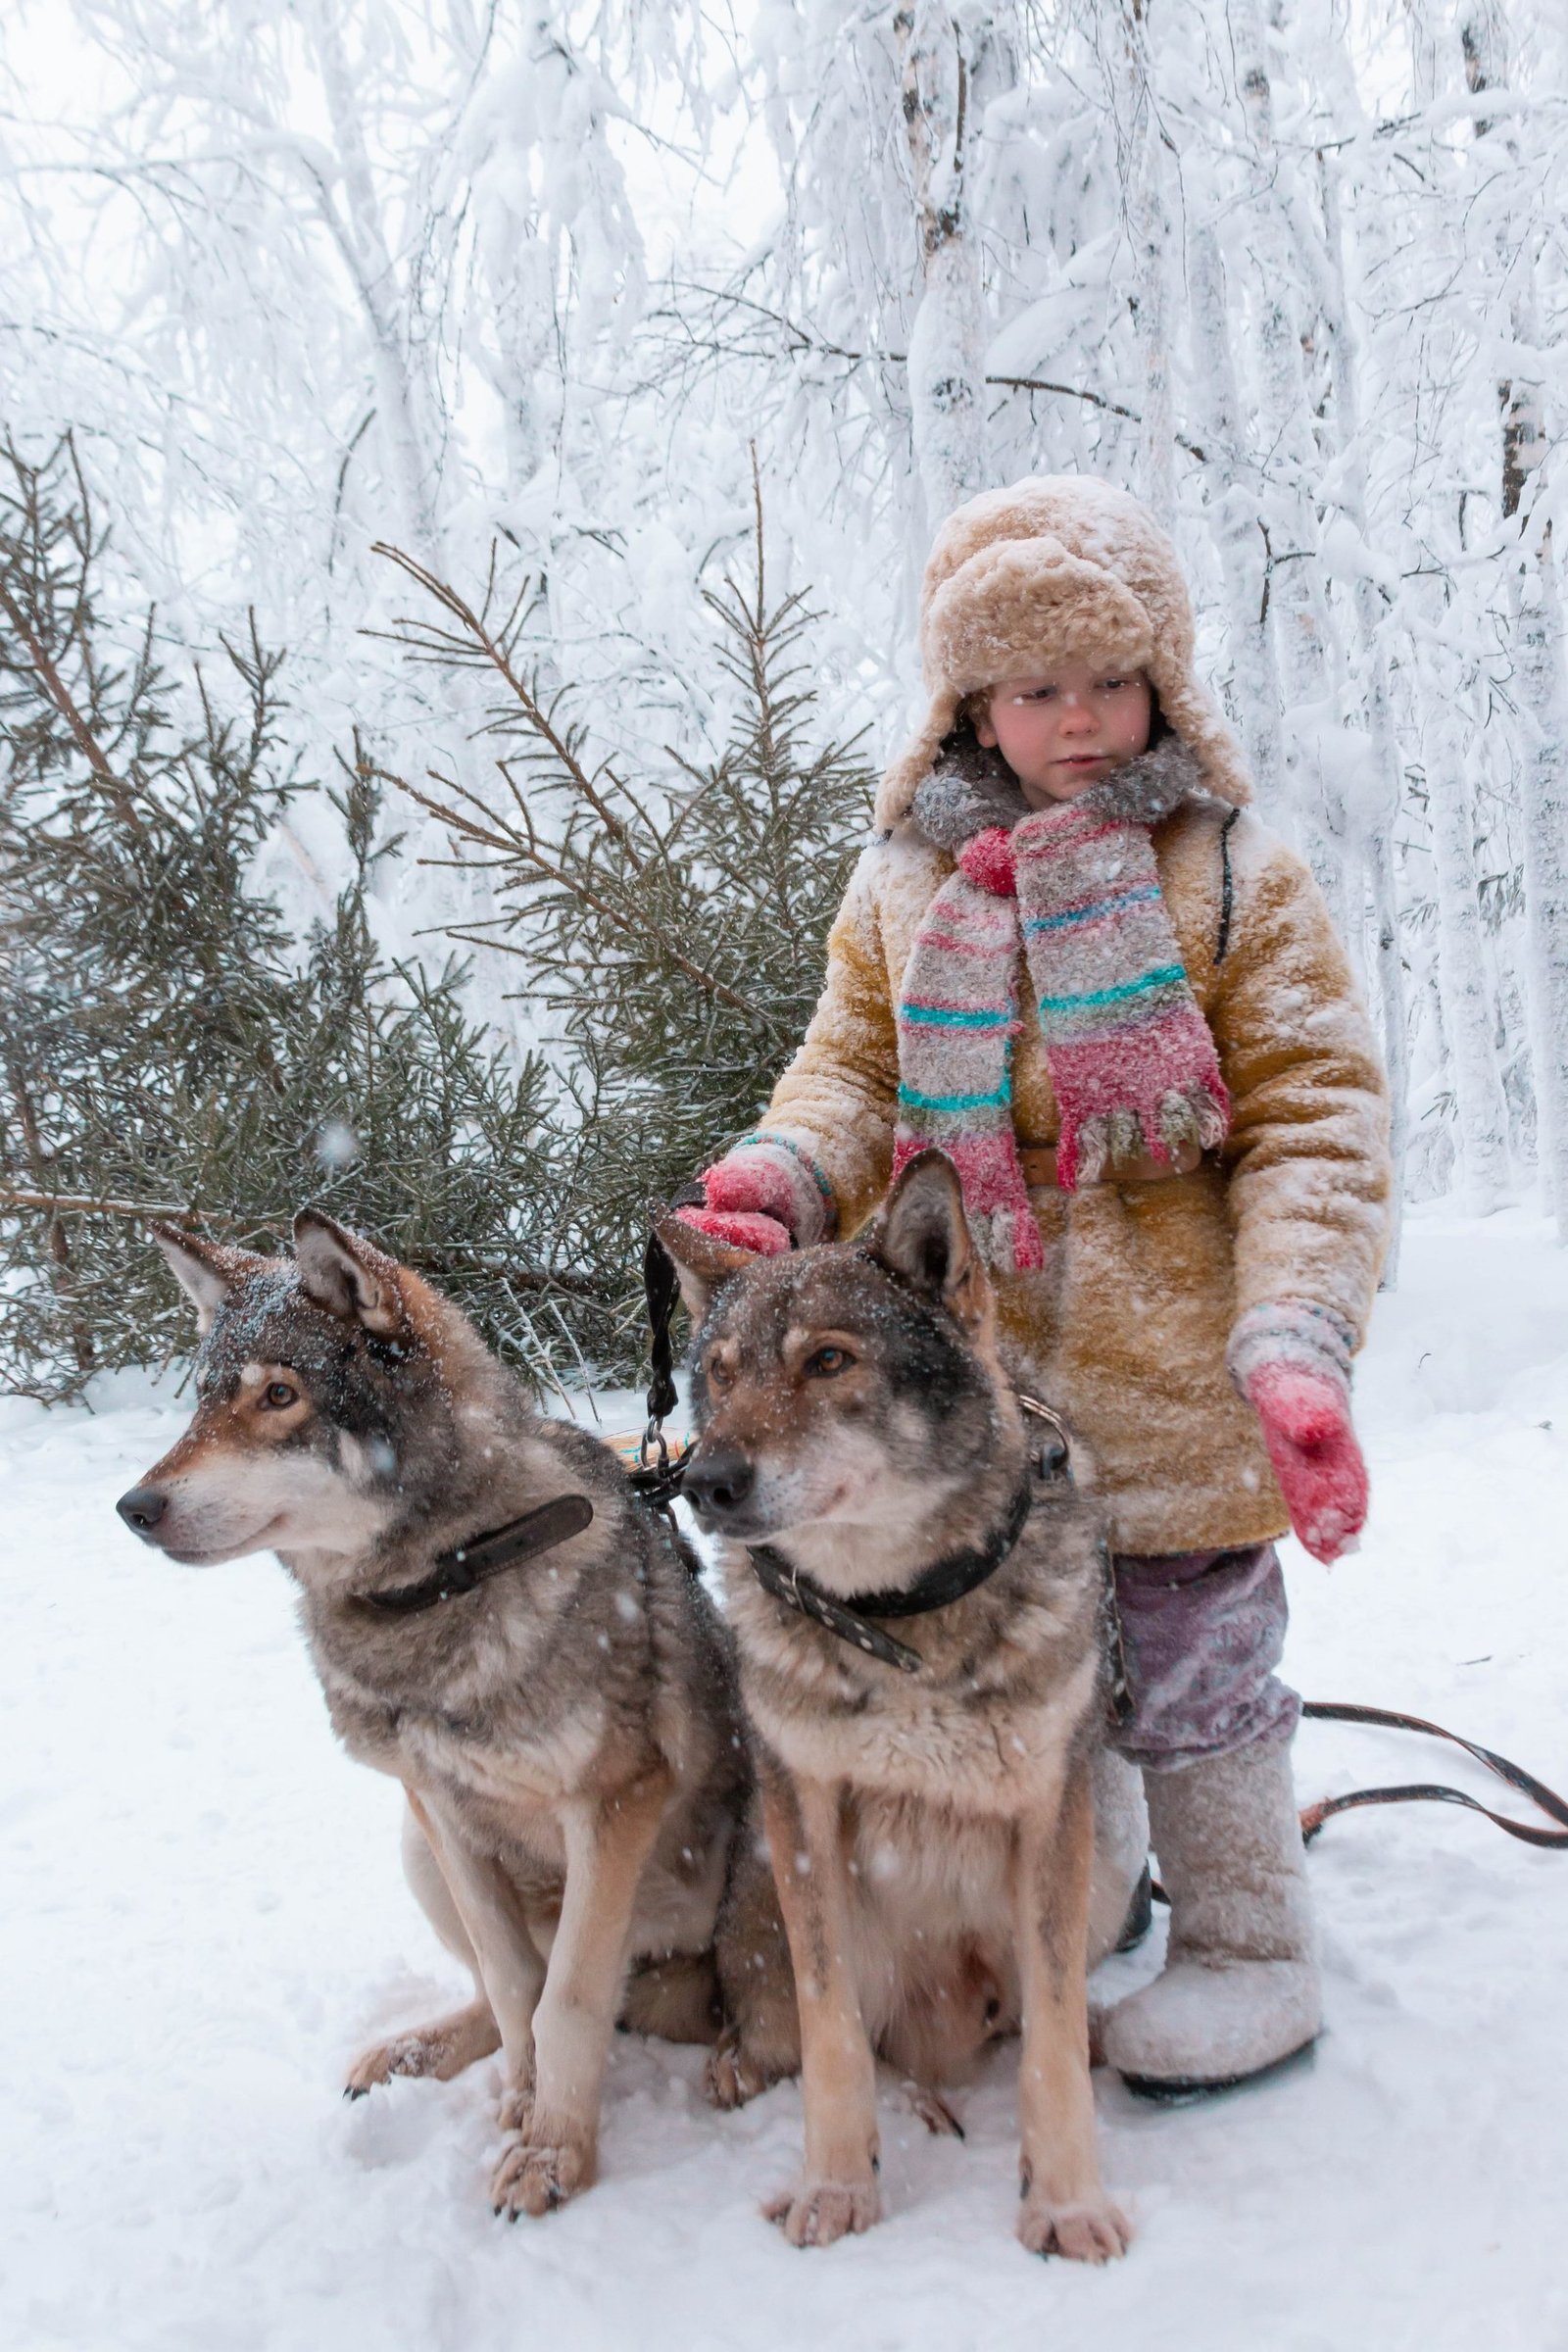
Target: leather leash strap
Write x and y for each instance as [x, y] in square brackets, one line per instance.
[660, 1289]
[1431, 1791]
[468, 1565]
[657, 1483]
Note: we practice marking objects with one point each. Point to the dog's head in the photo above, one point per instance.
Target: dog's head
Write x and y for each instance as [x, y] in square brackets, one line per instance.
[322, 1383]
[854, 1384]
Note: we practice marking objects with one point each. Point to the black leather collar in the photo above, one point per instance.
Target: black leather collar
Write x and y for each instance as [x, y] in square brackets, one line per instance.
[946, 1581]
[471, 1564]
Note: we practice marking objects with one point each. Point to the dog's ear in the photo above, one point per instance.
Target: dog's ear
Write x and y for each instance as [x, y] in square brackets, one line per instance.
[703, 1264]
[922, 1236]
[206, 1272]
[346, 1275]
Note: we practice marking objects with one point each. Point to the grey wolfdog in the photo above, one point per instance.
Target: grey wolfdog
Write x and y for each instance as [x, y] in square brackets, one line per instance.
[567, 1731]
[942, 1867]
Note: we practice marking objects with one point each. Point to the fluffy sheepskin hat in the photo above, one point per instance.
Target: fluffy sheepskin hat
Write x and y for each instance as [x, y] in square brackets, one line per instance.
[1058, 568]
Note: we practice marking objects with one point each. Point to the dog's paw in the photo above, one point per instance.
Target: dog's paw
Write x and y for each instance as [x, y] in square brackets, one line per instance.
[730, 2077]
[534, 2177]
[439, 2050]
[817, 2212]
[1092, 2230]
[421, 2052]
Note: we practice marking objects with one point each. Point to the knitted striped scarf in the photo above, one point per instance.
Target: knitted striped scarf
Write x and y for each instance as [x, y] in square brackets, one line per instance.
[1075, 886]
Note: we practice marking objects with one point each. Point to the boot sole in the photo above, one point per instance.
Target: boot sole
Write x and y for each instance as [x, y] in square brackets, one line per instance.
[1185, 2090]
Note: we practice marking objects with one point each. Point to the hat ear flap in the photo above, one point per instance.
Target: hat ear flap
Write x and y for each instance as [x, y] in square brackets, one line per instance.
[1187, 710]
[916, 759]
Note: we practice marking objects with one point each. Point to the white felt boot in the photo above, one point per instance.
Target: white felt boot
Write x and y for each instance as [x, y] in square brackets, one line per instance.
[1240, 1986]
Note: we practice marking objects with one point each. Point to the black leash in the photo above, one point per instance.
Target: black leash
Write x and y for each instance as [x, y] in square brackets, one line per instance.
[659, 1482]
[660, 1289]
[470, 1565]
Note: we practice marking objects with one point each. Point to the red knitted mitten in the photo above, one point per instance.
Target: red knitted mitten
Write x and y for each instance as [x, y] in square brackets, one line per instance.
[765, 1196]
[750, 1230]
[1322, 1476]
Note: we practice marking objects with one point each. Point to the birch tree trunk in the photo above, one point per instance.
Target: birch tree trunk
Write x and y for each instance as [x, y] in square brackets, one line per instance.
[1537, 645]
[1377, 826]
[1140, 159]
[1236, 520]
[359, 234]
[1450, 736]
[947, 342]
[1537, 631]
[1468, 1013]
[1300, 629]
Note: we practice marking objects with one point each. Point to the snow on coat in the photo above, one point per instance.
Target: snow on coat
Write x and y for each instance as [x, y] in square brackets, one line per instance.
[1126, 1327]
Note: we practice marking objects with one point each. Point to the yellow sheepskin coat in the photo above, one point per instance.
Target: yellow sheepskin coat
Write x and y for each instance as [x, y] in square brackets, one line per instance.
[1125, 1329]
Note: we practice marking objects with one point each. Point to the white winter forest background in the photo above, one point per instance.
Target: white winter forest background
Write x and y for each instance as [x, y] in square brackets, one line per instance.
[479, 887]
[543, 278]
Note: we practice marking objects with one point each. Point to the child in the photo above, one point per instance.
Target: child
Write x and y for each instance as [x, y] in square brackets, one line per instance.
[1119, 1007]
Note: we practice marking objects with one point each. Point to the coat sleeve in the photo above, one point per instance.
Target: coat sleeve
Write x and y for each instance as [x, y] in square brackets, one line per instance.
[837, 1102]
[1307, 1152]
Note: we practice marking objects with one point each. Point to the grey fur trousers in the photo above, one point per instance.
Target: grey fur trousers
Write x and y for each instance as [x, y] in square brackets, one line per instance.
[1240, 1986]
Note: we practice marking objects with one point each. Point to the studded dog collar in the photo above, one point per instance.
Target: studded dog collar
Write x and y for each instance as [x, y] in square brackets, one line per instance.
[946, 1581]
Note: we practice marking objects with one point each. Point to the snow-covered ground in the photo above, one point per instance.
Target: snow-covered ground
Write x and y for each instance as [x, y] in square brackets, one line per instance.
[204, 1917]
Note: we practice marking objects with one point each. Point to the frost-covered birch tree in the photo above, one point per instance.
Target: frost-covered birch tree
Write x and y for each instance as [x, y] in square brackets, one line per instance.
[946, 65]
[1534, 602]
[523, 286]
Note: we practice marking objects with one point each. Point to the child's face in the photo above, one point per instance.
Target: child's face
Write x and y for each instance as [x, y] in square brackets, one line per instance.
[1059, 734]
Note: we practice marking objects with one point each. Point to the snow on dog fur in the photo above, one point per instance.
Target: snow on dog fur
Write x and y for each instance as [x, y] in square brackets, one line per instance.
[933, 1834]
[567, 1731]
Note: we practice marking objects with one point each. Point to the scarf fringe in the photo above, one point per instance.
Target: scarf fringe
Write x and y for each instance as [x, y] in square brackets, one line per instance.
[1195, 1115]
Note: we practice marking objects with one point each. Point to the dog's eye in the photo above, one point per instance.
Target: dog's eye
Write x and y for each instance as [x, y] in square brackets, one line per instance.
[826, 1362]
[277, 1393]
[718, 1372]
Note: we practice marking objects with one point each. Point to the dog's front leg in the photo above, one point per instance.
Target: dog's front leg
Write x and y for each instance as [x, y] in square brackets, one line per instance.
[837, 2190]
[608, 1841]
[505, 1953]
[1065, 2210]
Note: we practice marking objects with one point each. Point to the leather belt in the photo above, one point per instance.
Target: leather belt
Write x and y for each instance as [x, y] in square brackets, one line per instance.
[1039, 1164]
